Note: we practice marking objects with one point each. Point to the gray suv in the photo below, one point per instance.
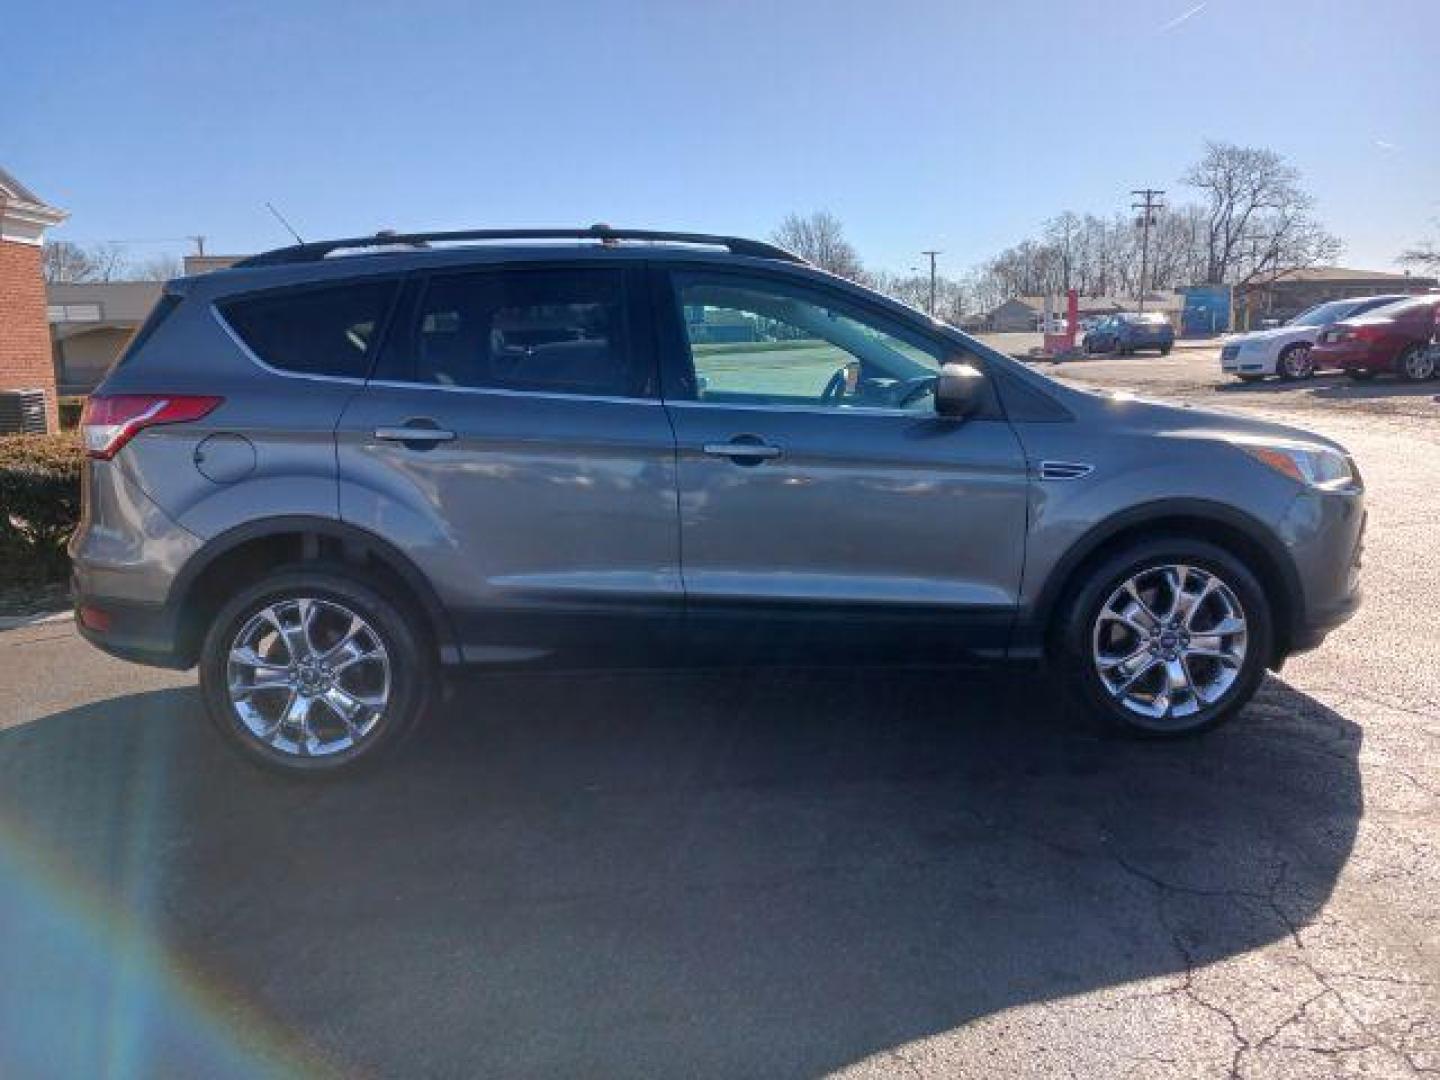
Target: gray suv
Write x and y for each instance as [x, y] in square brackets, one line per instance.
[335, 469]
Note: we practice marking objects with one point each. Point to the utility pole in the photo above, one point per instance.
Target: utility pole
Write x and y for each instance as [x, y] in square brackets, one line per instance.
[932, 255]
[1151, 201]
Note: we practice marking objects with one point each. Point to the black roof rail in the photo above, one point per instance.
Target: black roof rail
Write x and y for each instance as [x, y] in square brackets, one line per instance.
[300, 253]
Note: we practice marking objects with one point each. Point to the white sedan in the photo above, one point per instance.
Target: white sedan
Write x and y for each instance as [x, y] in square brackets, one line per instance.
[1285, 350]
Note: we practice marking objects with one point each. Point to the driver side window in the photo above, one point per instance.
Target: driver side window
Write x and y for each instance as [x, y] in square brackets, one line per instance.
[759, 341]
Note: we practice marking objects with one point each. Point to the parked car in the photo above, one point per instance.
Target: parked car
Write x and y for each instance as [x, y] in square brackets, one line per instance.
[1286, 350]
[1395, 339]
[1129, 332]
[327, 480]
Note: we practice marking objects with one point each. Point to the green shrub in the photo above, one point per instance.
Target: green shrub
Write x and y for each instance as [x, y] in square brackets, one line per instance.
[70, 410]
[39, 505]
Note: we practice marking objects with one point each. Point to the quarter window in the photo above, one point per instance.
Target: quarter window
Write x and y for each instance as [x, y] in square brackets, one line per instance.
[556, 331]
[759, 341]
[313, 331]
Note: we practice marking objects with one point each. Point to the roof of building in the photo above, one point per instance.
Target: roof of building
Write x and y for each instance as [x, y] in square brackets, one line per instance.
[1336, 274]
[204, 264]
[1162, 301]
[11, 188]
[24, 216]
[76, 307]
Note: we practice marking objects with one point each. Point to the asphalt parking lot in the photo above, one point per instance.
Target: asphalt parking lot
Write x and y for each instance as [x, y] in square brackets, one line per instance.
[776, 873]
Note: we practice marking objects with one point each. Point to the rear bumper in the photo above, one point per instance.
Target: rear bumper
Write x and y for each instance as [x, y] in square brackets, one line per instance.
[138, 632]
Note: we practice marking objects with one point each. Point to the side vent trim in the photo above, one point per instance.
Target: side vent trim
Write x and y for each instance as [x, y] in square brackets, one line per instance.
[1064, 470]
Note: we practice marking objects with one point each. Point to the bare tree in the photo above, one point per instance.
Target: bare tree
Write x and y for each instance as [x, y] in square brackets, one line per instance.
[158, 268]
[952, 298]
[1425, 255]
[64, 262]
[819, 238]
[1257, 217]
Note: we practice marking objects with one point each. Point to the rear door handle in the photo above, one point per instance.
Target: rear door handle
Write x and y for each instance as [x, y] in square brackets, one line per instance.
[743, 453]
[414, 434]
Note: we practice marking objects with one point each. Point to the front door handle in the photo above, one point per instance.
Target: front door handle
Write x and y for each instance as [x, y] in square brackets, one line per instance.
[414, 434]
[744, 450]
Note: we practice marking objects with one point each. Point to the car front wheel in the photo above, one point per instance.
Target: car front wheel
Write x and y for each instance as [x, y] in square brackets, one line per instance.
[1295, 363]
[311, 672]
[1416, 364]
[1168, 638]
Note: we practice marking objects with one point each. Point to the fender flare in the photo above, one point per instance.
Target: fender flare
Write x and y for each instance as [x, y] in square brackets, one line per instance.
[1279, 573]
[353, 540]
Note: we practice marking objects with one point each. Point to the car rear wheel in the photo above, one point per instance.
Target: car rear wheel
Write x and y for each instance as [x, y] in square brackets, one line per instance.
[1295, 362]
[1416, 364]
[310, 672]
[1169, 637]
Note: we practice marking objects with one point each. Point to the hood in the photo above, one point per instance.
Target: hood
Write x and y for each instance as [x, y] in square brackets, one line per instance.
[1161, 418]
[1272, 334]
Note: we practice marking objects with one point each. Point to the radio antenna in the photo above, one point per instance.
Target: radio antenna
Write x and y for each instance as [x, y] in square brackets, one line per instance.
[281, 218]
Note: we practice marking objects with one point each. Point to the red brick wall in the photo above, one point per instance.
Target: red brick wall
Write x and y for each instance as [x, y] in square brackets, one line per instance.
[25, 362]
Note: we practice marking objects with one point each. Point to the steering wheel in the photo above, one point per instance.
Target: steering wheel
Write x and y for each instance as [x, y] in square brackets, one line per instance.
[834, 391]
[912, 389]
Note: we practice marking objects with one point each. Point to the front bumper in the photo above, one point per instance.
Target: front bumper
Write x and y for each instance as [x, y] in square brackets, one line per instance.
[1326, 534]
[1239, 360]
[1345, 356]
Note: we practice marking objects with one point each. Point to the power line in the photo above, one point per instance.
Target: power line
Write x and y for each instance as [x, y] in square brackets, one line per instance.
[1151, 202]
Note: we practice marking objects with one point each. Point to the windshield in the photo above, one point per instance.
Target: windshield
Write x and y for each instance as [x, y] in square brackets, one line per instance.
[1324, 314]
[1402, 307]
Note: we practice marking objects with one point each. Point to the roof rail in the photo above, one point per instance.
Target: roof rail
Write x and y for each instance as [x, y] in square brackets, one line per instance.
[299, 253]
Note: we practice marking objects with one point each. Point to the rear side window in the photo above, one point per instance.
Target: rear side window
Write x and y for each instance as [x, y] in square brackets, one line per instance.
[553, 331]
[325, 331]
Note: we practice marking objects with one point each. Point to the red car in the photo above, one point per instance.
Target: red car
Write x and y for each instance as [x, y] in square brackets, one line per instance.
[1394, 338]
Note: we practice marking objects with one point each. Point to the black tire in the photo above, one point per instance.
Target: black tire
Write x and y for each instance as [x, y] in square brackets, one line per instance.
[1290, 358]
[1417, 359]
[401, 630]
[1079, 617]
[1164, 350]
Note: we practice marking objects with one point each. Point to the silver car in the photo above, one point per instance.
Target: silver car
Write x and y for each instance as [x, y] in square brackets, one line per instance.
[333, 471]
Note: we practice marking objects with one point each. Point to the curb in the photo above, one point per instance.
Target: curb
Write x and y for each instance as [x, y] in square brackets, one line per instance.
[18, 622]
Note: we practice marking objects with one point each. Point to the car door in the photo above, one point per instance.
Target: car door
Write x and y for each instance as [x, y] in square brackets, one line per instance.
[819, 491]
[513, 443]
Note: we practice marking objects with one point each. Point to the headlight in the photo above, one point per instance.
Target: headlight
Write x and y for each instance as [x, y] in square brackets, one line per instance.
[1314, 466]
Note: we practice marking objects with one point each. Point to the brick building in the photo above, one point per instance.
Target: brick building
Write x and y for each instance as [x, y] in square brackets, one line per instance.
[25, 362]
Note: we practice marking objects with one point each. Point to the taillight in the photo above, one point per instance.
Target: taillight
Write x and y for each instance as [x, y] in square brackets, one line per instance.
[108, 423]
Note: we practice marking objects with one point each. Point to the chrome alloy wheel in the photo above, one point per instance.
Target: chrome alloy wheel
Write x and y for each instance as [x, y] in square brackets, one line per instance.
[1297, 363]
[1418, 363]
[1169, 642]
[308, 677]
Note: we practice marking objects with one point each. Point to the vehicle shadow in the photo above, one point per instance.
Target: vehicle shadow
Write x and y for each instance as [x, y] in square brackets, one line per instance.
[680, 874]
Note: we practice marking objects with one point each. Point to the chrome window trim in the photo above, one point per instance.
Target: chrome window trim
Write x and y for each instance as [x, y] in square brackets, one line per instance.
[342, 380]
[817, 410]
[498, 391]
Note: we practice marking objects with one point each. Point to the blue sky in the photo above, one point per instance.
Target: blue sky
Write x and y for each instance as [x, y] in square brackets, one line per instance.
[921, 124]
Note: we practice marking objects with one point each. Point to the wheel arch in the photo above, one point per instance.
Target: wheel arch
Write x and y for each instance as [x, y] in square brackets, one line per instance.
[1235, 531]
[241, 553]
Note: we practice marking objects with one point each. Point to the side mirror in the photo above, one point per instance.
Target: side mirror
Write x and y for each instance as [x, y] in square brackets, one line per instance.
[959, 391]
